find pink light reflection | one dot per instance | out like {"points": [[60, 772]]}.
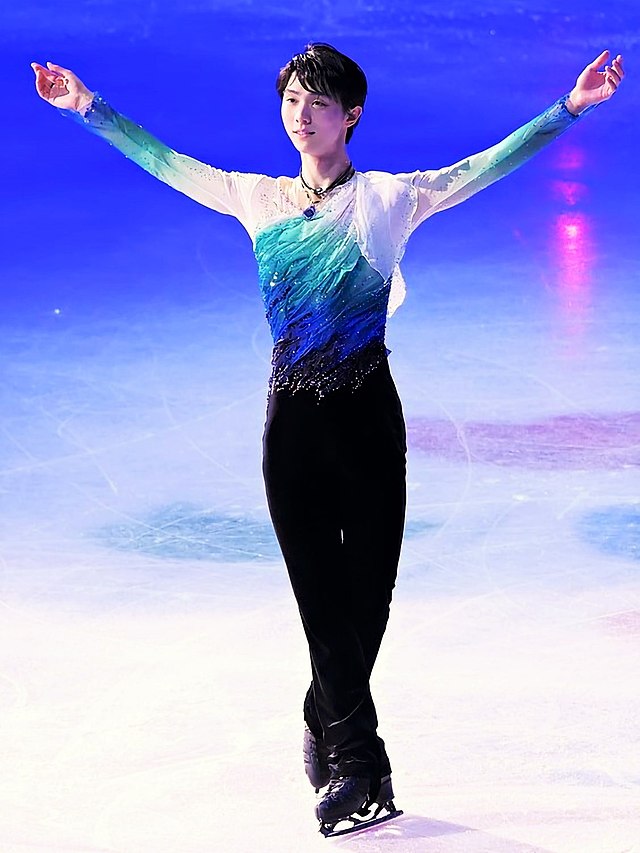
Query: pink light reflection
{"points": [[574, 253], [569, 157], [569, 192]]}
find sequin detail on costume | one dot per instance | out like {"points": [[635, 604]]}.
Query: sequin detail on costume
{"points": [[325, 305]]}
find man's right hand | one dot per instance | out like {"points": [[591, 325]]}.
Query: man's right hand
{"points": [[61, 88]]}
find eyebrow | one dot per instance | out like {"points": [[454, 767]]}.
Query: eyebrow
{"points": [[298, 92]]}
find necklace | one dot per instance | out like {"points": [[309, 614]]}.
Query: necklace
{"points": [[322, 192]]}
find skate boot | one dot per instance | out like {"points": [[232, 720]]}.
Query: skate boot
{"points": [[348, 803], [316, 760]]}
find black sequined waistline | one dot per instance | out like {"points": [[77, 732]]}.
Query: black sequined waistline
{"points": [[317, 373]]}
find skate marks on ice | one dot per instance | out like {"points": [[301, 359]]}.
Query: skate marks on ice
{"points": [[180, 531], [415, 834], [564, 442], [185, 531]]}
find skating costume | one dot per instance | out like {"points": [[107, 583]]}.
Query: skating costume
{"points": [[334, 441]]}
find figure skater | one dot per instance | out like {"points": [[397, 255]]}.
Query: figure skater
{"points": [[328, 243]]}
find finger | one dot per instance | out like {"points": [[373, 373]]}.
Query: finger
{"points": [[610, 71], [45, 79], [599, 60], [44, 84], [58, 68], [612, 80], [617, 66], [43, 73], [49, 84]]}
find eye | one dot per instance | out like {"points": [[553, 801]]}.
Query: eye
{"points": [[320, 103]]}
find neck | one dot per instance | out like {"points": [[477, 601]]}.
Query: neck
{"points": [[321, 170]]}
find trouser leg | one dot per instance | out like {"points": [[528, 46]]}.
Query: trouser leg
{"points": [[373, 499], [334, 473]]}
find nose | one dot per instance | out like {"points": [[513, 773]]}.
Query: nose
{"points": [[303, 115]]}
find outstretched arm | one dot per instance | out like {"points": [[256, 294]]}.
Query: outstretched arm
{"points": [[440, 189], [227, 192]]}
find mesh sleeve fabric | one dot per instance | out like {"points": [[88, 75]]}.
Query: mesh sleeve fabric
{"points": [[391, 206], [234, 193], [440, 189]]}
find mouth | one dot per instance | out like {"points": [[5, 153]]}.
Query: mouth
{"points": [[304, 133]]}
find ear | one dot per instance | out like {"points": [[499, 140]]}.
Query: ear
{"points": [[353, 115]]}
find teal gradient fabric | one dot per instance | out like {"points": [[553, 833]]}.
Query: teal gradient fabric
{"points": [[325, 305]]}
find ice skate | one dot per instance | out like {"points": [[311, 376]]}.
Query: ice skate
{"points": [[316, 760], [348, 807]]}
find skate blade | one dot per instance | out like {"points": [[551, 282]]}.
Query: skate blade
{"points": [[360, 824]]}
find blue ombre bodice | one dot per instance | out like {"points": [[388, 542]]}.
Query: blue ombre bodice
{"points": [[325, 305]]}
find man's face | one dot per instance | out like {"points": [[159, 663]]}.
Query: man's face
{"points": [[316, 124]]}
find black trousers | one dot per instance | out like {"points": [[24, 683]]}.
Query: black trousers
{"points": [[335, 475]]}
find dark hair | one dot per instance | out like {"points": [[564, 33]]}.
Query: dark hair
{"points": [[323, 69]]}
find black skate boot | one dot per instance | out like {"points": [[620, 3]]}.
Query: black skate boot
{"points": [[349, 800], [316, 760]]}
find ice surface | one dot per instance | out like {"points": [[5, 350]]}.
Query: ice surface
{"points": [[152, 665]]}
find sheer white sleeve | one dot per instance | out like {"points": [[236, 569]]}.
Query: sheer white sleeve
{"points": [[234, 193], [439, 189]]}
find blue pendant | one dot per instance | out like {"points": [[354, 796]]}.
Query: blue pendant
{"points": [[310, 212]]}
